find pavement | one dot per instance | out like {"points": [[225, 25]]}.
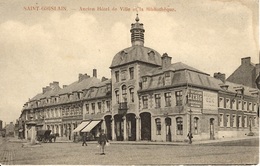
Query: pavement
{"points": [[195, 142]]}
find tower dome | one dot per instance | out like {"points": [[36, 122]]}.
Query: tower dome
{"points": [[137, 52]]}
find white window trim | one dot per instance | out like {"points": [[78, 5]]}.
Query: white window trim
{"points": [[222, 120], [221, 102]]}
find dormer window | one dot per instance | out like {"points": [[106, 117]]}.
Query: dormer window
{"points": [[167, 74], [144, 79]]}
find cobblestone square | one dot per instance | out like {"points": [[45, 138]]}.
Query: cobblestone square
{"points": [[239, 152]]}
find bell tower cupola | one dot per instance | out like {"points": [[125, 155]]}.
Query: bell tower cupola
{"points": [[137, 33]]}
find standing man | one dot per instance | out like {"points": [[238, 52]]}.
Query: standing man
{"points": [[190, 137], [84, 139], [102, 140]]}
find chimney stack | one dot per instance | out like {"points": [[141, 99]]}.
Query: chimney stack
{"points": [[95, 73], [166, 61], [220, 76], [246, 60]]}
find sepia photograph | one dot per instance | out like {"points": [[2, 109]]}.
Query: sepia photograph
{"points": [[129, 82]]}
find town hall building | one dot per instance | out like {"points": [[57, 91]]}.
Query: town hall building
{"points": [[147, 98]]}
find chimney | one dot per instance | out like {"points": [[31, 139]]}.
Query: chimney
{"points": [[54, 85], [64, 86], [104, 79], [246, 61], [166, 61], [86, 76], [80, 77], [220, 76], [95, 73], [43, 90]]}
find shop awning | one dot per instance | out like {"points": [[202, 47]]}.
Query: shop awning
{"points": [[81, 126], [90, 126]]}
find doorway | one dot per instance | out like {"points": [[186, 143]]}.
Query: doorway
{"points": [[211, 121]]}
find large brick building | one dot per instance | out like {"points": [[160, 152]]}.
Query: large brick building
{"points": [[147, 98]]}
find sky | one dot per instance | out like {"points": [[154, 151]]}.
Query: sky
{"points": [[39, 45]]}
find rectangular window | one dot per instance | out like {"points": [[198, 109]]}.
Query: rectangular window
{"points": [[228, 120], [167, 99], [245, 106], [234, 104], [108, 106], [117, 76], [239, 121], [93, 107], [145, 102], [99, 107], [221, 120], [221, 102], [234, 121], [239, 105], [178, 95], [245, 121], [157, 101], [255, 107], [179, 126], [123, 75], [87, 108], [250, 108], [131, 73], [132, 95], [228, 103], [158, 126]]}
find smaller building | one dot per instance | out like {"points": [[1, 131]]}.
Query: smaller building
{"points": [[246, 74]]}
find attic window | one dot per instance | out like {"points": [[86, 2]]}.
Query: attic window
{"points": [[151, 55], [167, 74], [144, 79]]}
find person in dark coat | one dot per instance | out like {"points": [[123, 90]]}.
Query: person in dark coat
{"points": [[190, 137], [84, 139], [102, 140]]}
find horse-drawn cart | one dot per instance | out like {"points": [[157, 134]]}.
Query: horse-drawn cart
{"points": [[45, 136]]}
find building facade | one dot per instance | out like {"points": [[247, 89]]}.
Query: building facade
{"points": [[147, 98]]}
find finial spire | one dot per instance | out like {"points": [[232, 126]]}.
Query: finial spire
{"points": [[137, 32], [137, 18]]}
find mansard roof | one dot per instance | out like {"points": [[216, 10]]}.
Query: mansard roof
{"points": [[173, 67], [136, 53]]}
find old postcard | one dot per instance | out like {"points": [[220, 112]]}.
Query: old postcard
{"points": [[129, 82]]}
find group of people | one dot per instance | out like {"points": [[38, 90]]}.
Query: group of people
{"points": [[102, 141]]}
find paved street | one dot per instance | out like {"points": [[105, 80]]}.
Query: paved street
{"points": [[236, 152]]}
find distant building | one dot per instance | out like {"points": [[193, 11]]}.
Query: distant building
{"points": [[246, 74], [10, 129]]}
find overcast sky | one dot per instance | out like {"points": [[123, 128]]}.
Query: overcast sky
{"points": [[38, 47]]}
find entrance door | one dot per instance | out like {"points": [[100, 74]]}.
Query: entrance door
{"points": [[168, 129], [145, 126], [119, 124], [211, 121]]}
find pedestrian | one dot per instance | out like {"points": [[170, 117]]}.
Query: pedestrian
{"points": [[102, 141], [190, 137], [84, 139]]}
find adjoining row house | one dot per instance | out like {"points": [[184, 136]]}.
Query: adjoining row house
{"points": [[147, 98]]}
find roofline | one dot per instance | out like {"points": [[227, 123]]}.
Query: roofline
{"points": [[178, 85], [138, 61]]}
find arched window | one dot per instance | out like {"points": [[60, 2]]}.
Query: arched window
{"points": [[131, 90], [158, 126], [179, 125], [196, 121], [124, 93], [117, 96]]}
